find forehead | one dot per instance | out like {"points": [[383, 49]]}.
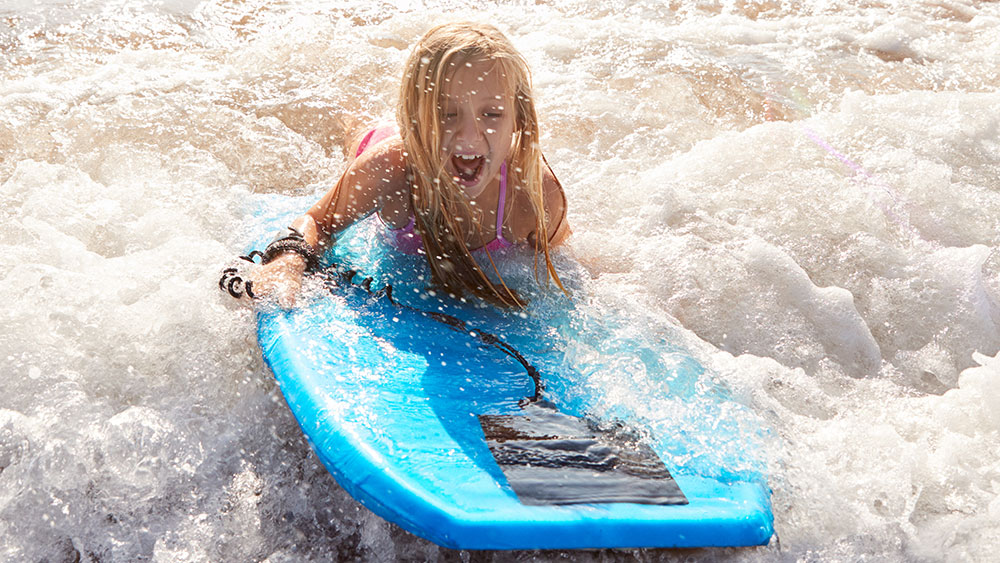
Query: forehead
{"points": [[478, 80]]}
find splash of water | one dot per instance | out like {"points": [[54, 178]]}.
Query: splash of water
{"points": [[139, 423]]}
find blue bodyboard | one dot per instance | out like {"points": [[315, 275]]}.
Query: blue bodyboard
{"points": [[390, 398]]}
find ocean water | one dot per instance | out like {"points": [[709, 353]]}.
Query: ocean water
{"points": [[805, 195]]}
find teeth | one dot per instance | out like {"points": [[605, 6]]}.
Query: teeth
{"points": [[468, 156]]}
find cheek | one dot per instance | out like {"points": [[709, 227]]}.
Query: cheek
{"points": [[502, 133], [446, 137]]}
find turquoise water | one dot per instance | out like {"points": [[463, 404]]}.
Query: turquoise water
{"points": [[802, 198]]}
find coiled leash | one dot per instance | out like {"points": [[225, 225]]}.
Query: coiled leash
{"points": [[291, 239]]}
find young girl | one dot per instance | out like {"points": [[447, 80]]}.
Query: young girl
{"points": [[459, 177]]}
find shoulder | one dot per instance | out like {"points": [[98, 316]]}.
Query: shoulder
{"points": [[553, 195], [554, 200], [553, 209], [382, 161], [382, 170]]}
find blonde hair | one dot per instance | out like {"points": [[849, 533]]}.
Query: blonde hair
{"points": [[437, 200]]}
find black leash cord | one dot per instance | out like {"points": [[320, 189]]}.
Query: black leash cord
{"points": [[336, 275], [232, 283]]}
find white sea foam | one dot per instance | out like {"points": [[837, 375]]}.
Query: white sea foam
{"points": [[803, 195]]}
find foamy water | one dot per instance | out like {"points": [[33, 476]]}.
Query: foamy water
{"points": [[807, 198]]}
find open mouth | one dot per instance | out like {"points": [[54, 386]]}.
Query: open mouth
{"points": [[467, 168]]}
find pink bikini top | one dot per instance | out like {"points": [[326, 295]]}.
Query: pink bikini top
{"points": [[407, 239]]}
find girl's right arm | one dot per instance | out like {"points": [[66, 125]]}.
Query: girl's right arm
{"points": [[375, 177]]}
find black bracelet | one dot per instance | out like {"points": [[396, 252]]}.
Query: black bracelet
{"points": [[291, 240]]}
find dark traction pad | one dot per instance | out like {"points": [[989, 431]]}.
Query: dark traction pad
{"points": [[553, 458]]}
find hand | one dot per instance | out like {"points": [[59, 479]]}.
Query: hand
{"points": [[280, 279]]}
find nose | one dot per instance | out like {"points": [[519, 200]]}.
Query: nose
{"points": [[469, 133]]}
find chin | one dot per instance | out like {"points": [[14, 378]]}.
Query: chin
{"points": [[472, 192]]}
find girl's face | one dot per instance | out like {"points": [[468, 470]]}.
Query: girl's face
{"points": [[477, 124]]}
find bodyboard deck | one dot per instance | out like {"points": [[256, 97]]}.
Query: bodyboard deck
{"points": [[403, 411], [377, 392]]}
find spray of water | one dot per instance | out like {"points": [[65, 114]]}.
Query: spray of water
{"points": [[774, 242]]}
